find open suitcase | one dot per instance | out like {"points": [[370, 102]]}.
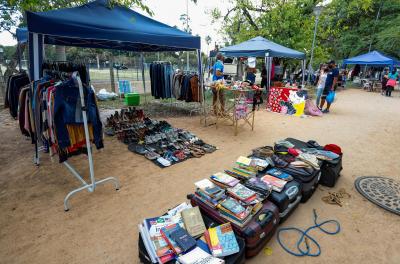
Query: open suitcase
{"points": [[330, 170], [256, 233], [238, 258], [287, 200]]}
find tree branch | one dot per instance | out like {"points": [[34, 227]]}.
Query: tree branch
{"points": [[249, 18]]}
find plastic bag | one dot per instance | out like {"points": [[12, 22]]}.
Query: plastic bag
{"points": [[330, 97]]}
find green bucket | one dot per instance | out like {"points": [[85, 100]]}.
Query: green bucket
{"points": [[132, 99]]}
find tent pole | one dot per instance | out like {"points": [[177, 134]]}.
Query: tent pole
{"points": [[201, 89], [303, 68], [143, 79], [269, 65]]}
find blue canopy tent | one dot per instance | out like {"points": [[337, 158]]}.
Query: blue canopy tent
{"points": [[22, 35], [261, 47], [372, 58], [97, 25]]}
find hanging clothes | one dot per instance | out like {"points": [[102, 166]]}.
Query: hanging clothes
{"points": [[14, 85], [50, 111], [161, 77]]}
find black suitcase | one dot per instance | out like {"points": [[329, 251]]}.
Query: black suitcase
{"points": [[287, 200], [256, 233], [330, 171], [307, 177]]}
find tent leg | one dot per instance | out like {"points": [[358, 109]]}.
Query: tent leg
{"points": [[303, 68], [143, 78]]}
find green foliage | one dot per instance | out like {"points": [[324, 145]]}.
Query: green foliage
{"points": [[12, 12], [346, 27]]}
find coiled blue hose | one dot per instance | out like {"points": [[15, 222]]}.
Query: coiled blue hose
{"points": [[304, 238]]}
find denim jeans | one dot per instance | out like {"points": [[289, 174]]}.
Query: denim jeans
{"points": [[319, 94], [68, 110]]}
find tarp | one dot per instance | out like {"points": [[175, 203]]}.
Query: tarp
{"points": [[372, 58], [22, 35], [97, 25], [261, 47]]}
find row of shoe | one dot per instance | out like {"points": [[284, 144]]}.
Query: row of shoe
{"points": [[157, 140]]}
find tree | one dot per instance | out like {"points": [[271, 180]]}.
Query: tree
{"points": [[346, 27]]}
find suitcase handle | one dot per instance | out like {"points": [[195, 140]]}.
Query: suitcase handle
{"points": [[292, 191], [265, 218]]}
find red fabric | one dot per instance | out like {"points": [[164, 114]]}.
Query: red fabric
{"points": [[276, 95], [333, 148], [293, 151]]}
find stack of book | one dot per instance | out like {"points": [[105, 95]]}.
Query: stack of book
{"points": [[172, 234], [224, 180], [222, 241], [258, 185], [242, 193], [277, 184], [241, 173], [209, 193], [233, 211]]}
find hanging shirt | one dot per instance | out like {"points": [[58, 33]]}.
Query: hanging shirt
{"points": [[218, 66]]}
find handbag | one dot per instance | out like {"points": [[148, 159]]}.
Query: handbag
{"points": [[330, 97]]}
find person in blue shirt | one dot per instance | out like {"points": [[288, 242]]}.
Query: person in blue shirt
{"points": [[330, 85], [218, 74]]}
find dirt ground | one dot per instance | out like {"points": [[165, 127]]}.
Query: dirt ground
{"points": [[102, 227]]}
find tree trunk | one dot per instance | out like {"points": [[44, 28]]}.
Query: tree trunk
{"points": [[98, 61], [112, 79], [60, 53]]}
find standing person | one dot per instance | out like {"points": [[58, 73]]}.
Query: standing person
{"points": [[384, 80], [321, 84], [391, 83], [330, 85], [218, 74]]}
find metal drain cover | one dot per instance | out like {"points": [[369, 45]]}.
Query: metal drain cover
{"points": [[384, 192]]}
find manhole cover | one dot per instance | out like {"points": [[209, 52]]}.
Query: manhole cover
{"points": [[384, 192]]}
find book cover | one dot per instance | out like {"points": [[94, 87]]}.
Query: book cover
{"points": [[259, 185], [154, 226], [233, 206], [243, 161], [277, 184], [202, 243], [193, 221], [223, 241], [245, 172], [199, 256], [166, 234], [225, 179], [242, 192], [278, 174], [182, 238]]}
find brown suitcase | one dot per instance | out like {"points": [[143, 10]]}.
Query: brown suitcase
{"points": [[256, 233]]}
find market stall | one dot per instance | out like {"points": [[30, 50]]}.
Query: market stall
{"points": [[98, 24], [261, 47], [373, 58]]}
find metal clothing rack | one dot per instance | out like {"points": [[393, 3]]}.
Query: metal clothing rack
{"points": [[91, 186]]}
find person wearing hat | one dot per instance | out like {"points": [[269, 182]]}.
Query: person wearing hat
{"points": [[218, 74], [251, 70], [330, 85]]}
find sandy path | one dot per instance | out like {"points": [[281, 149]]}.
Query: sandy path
{"points": [[102, 227]]}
